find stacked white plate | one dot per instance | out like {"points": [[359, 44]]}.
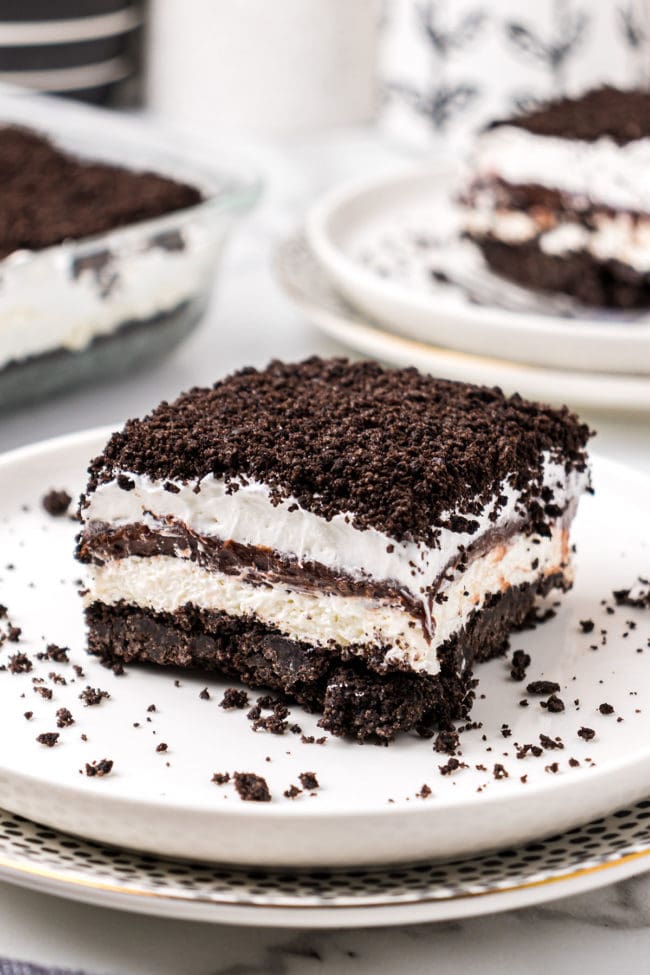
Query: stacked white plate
{"points": [[382, 267]]}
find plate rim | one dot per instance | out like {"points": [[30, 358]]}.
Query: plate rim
{"points": [[342, 267], [626, 393], [557, 788]]}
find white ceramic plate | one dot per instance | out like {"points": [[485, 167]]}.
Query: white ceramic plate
{"points": [[380, 240], [602, 852], [174, 809], [306, 284]]}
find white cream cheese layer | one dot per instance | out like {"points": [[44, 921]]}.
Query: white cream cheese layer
{"points": [[617, 237], [600, 172], [249, 517], [45, 305], [164, 584]]}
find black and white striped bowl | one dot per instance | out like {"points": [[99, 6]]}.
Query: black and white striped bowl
{"points": [[57, 46]]}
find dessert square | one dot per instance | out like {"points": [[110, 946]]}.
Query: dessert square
{"points": [[353, 537], [559, 198]]}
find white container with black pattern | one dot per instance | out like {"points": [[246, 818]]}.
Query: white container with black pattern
{"points": [[450, 66]]}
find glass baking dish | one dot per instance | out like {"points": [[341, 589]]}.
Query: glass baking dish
{"points": [[89, 309]]}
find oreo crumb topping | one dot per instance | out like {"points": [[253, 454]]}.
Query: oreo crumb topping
{"points": [[446, 742], [605, 708], [221, 778], [448, 446], [309, 781], [520, 664], [48, 738], [252, 787], [587, 734], [292, 792], [56, 654], [623, 116], [550, 743], [554, 704], [56, 503], [234, 698], [99, 769]]}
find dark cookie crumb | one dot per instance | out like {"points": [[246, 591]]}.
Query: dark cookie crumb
{"points": [[425, 791], [45, 692], [56, 654], [64, 718], [309, 781], [446, 742], [638, 596], [554, 704], [252, 787], [56, 503], [48, 738], [499, 771], [520, 664], [93, 695], [292, 792], [99, 769], [587, 626], [553, 767], [162, 747], [574, 763], [28, 715], [541, 688], [234, 698], [587, 734], [550, 743], [220, 778], [605, 708], [20, 663], [205, 694]]}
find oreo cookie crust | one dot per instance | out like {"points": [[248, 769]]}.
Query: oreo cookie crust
{"points": [[333, 530]]}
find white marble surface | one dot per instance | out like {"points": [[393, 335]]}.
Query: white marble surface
{"points": [[250, 322]]}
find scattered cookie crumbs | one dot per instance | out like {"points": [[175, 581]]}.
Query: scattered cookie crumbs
{"points": [[446, 742], [605, 708], [234, 698], [151, 709], [45, 692], [309, 781], [64, 718], [252, 787], [540, 688], [529, 749], [92, 696], [292, 792], [523, 779], [13, 634], [84, 737], [550, 743], [28, 715], [506, 731], [520, 663], [452, 766], [162, 747], [220, 778], [587, 626], [57, 654], [587, 734], [574, 763], [57, 678], [271, 723], [554, 704], [205, 694], [78, 670], [425, 791], [553, 767], [56, 503], [99, 769], [48, 738], [20, 663], [499, 771]]}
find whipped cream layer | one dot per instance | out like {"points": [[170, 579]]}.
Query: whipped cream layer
{"points": [[618, 237], [248, 516], [164, 584], [49, 301], [599, 172]]}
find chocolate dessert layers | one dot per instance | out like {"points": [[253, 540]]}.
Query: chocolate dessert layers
{"points": [[48, 196], [559, 199], [354, 537]]}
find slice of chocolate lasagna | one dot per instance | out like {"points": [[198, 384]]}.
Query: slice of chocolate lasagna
{"points": [[354, 537], [559, 198]]}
